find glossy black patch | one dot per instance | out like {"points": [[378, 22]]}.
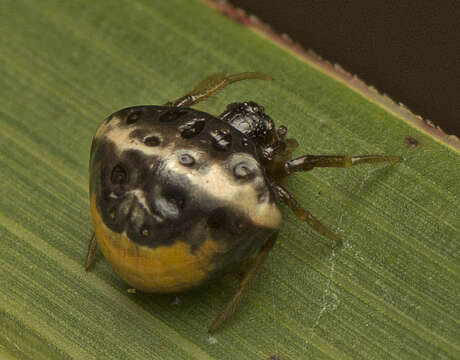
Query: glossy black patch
{"points": [[175, 193], [191, 127], [145, 135], [222, 139], [138, 134], [172, 114], [133, 117], [151, 140], [119, 175]]}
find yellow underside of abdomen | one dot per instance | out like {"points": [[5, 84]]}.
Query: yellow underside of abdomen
{"points": [[162, 269]]}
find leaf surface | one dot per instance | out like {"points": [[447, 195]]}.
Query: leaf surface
{"points": [[392, 290]]}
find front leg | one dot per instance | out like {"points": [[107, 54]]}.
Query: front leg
{"points": [[211, 85], [308, 162]]}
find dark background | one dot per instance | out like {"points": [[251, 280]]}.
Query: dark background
{"points": [[409, 50]]}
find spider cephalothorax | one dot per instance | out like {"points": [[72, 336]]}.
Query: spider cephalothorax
{"points": [[251, 120]]}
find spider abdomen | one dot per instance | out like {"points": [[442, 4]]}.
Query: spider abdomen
{"points": [[177, 196]]}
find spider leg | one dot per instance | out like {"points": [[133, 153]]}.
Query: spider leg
{"points": [[90, 255], [308, 162], [245, 284], [305, 215], [211, 85]]}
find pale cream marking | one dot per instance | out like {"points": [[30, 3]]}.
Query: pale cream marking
{"points": [[103, 128], [140, 196], [218, 182], [120, 137]]}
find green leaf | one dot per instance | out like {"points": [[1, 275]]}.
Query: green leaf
{"points": [[392, 290]]}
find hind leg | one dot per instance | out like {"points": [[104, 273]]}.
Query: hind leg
{"points": [[245, 284], [91, 254]]}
